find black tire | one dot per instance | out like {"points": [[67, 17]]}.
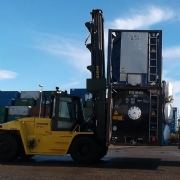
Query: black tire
{"points": [[8, 147], [102, 153], [84, 150], [23, 156]]}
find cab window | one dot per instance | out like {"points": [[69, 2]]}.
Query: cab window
{"points": [[65, 108]]}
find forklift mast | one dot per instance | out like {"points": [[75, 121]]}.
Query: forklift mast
{"points": [[96, 85]]}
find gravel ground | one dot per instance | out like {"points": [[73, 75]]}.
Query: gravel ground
{"points": [[121, 162]]}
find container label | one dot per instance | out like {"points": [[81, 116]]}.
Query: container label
{"points": [[153, 113], [117, 118], [136, 92]]}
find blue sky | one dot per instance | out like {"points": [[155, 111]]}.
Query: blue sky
{"points": [[42, 41]]}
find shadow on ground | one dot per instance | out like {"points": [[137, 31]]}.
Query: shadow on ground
{"points": [[107, 162]]}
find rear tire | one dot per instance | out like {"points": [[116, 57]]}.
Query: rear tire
{"points": [[23, 156], [84, 150], [8, 147]]}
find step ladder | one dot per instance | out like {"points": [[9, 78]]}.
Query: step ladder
{"points": [[153, 115], [152, 70]]}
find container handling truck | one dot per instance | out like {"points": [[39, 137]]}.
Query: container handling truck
{"points": [[136, 108], [66, 131]]}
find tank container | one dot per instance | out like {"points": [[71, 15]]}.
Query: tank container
{"points": [[134, 58], [130, 115]]}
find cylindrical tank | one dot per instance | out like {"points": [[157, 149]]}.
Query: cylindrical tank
{"points": [[168, 113], [166, 134], [168, 91]]}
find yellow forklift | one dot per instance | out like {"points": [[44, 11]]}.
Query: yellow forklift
{"points": [[66, 131]]}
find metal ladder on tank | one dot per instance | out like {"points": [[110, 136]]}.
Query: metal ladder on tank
{"points": [[152, 71], [153, 115]]}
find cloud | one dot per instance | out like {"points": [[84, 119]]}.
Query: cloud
{"points": [[171, 53], [144, 18], [4, 74], [171, 62], [75, 53], [170, 71]]}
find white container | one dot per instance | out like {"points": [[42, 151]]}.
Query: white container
{"points": [[19, 110], [30, 94], [168, 113], [168, 90]]}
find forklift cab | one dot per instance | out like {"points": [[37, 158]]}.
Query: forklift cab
{"points": [[67, 112]]}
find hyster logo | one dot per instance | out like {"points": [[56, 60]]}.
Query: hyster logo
{"points": [[41, 124]]}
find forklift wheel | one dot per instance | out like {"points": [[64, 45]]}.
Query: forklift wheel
{"points": [[84, 150], [8, 147], [23, 156], [101, 153]]}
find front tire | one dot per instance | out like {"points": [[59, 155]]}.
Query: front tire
{"points": [[102, 152], [84, 150], [8, 147]]}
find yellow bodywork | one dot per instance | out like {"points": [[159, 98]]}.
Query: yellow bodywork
{"points": [[47, 142]]}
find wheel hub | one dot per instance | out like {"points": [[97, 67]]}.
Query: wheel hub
{"points": [[4, 147], [85, 150]]}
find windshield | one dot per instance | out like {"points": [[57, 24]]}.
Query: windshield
{"points": [[65, 108]]}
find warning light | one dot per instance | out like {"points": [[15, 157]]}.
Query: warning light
{"points": [[115, 113]]}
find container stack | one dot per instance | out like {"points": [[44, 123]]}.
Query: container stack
{"points": [[134, 78], [88, 109], [7, 97], [15, 105], [82, 93], [3, 114], [86, 99], [174, 124], [22, 105], [45, 104], [18, 112]]}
